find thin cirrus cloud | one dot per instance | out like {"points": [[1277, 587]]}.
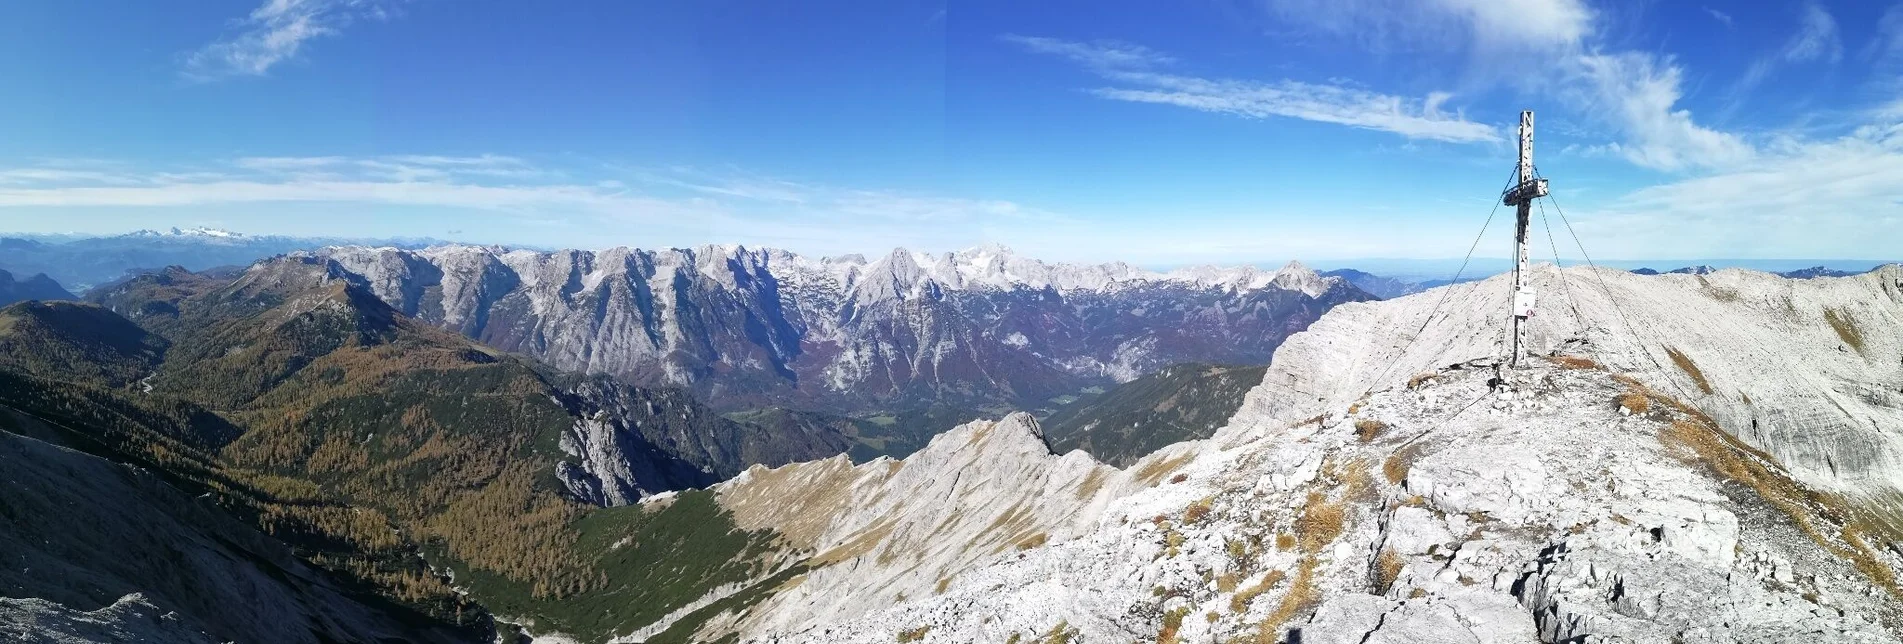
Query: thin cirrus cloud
{"points": [[1633, 96], [1833, 198], [1816, 40], [1133, 67], [1481, 26], [275, 32], [677, 204]]}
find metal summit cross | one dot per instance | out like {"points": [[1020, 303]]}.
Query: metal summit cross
{"points": [[1522, 195]]}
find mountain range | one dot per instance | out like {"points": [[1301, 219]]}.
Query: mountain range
{"points": [[83, 262], [983, 328]]}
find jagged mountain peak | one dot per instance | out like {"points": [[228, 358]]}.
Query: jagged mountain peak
{"points": [[1296, 276]]}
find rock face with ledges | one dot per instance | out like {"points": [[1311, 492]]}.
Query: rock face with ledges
{"points": [[745, 327]]}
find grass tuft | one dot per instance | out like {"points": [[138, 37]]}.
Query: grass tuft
{"points": [[1387, 569], [1302, 596], [1320, 523], [1368, 429], [1239, 602], [1574, 362], [1635, 402], [1396, 467], [1172, 623], [1197, 511]]}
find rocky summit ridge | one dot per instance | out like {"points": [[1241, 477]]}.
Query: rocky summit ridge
{"points": [[1383, 485]]}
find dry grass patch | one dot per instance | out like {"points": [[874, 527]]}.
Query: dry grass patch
{"points": [[1092, 483], [1302, 596], [1034, 541], [1239, 602], [1846, 328], [1284, 541], [1197, 511], [1320, 523], [1368, 429], [1397, 465], [1573, 362], [1172, 624], [1685, 364], [1635, 402], [1387, 569], [914, 634], [1062, 633], [1153, 472], [1420, 379]]}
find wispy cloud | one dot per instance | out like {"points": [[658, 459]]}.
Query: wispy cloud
{"points": [[1720, 16], [674, 205], [1556, 49], [1638, 94], [1816, 40], [1132, 68], [1481, 26], [275, 32], [1101, 54], [1834, 198]]}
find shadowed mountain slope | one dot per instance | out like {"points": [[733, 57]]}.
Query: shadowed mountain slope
{"points": [[1179, 403]]}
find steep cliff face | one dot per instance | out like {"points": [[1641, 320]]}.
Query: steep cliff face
{"points": [[1378, 487], [630, 442], [749, 327]]}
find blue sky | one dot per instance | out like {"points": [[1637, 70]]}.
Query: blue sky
{"points": [[1158, 133]]}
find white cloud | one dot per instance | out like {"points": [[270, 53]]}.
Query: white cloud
{"points": [[1816, 40], [1103, 54], [1638, 94], [275, 32], [1412, 118], [728, 207], [1482, 26], [395, 167], [1720, 16], [1335, 103], [1838, 198]]}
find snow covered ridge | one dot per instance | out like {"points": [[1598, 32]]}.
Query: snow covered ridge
{"points": [[1376, 488]]}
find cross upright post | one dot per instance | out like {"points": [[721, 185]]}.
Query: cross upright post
{"points": [[1521, 196]]}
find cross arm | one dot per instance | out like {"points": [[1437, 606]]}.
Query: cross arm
{"points": [[1525, 192]]}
